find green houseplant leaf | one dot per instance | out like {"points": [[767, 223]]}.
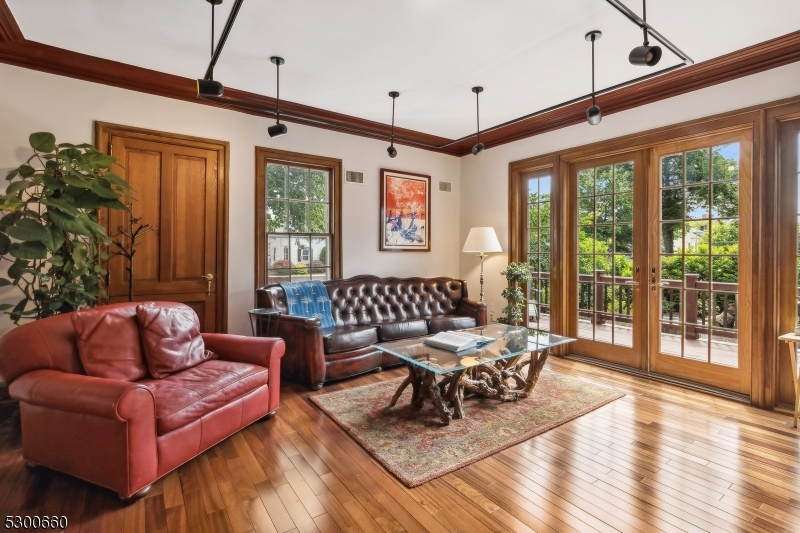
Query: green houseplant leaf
{"points": [[43, 142], [49, 227]]}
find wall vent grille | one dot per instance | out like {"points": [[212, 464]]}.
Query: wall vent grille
{"points": [[354, 176], [445, 186]]}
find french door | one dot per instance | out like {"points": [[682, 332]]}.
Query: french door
{"points": [[699, 278], [660, 259], [608, 259]]}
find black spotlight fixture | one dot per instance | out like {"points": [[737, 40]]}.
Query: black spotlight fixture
{"points": [[645, 55], [277, 129], [207, 86], [593, 114], [392, 151], [478, 148]]}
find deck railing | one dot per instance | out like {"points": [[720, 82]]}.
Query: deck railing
{"points": [[602, 296]]}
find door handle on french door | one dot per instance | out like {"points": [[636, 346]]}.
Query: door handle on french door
{"points": [[653, 282], [635, 281]]}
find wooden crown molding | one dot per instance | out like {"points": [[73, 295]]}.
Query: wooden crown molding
{"points": [[9, 30], [751, 60], [16, 50]]}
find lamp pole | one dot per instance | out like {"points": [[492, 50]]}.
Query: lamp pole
{"points": [[481, 255]]}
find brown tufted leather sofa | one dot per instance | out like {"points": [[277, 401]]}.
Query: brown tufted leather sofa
{"points": [[367, 310]]}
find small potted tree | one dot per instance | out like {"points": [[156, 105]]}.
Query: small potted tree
{"points": [[515, 273]]}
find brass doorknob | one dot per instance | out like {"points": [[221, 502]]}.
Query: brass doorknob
{"points": [[209, 278]]}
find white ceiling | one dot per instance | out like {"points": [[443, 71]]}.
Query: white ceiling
{"points": [[346, 55]]}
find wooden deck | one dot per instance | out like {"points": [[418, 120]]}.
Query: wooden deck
{"points": [[660, 459]]}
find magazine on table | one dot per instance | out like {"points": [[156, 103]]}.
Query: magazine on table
{"points": [[457, 341]]}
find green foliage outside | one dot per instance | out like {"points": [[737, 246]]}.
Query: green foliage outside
{"points": [[297, 200], [49, 230], [697, 186]]}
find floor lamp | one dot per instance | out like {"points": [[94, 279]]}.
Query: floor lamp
{"points": [[482, 240]]}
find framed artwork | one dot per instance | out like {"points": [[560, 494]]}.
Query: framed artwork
{"points": [[405, 212]]}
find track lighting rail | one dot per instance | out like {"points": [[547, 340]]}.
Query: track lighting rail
{"points": [[232, 104], [223, 37], [633, 17]]}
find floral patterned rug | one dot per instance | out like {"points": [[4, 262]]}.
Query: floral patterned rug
{"points": [[415, 447]]}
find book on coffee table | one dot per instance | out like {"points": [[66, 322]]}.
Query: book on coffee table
{"points": [[457, 341]]}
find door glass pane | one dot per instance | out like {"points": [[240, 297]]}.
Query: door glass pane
{"points": [[605, 248], [700, 268], [538, 290]]}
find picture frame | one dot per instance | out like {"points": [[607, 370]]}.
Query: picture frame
{"points": [[405, 212]]}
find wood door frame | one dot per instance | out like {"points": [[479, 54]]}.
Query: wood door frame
{"points": [[336, 203], [680, 366], [104, 131], [786, 239], [517, 237]]}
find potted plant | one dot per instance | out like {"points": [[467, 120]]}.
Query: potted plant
{"points": [[49, 230], [515, 273]]}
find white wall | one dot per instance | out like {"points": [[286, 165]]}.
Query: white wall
{"points": [[33, 101], [484, 178]]}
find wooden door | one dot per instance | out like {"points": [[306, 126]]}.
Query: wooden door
{"points": [[607, 305], [177, 188], [699, 276]]}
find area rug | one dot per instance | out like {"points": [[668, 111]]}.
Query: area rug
{"points": [[416, 447]]}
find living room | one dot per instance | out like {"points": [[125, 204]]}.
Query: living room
{"points": [[619, 229]]}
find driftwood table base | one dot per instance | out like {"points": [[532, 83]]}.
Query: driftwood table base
{"points": [[503, 380]]}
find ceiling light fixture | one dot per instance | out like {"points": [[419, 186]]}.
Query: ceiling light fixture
{"points": [[645, 55], [277, 129], [478, 148], [392, 151], [593, 114], [207, 86]]}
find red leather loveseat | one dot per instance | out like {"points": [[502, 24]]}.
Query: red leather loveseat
{"points": [[124, 435], [367, 310]]}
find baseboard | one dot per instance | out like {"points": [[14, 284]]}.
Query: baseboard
{"points": [[735, 396]]}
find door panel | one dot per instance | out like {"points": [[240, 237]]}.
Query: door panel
{"points": [[699, 276], [176, 191], [609, 253]]}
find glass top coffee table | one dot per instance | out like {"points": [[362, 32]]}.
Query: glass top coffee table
{"points": [[496, 370]]}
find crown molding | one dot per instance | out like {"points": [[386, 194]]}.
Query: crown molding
{"points": [[16, 50], [751, 60], [9, 30]]}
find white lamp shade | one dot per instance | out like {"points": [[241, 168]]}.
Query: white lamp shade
{"points": [[482, 240]]}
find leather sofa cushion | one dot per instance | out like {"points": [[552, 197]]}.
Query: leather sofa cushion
{"points": [[449, 322], [390, 331], [171, 339], [346, 338], [109, 343], [186, 396]]}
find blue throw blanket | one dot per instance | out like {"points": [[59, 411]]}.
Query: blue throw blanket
{"points": [[309, 299]]}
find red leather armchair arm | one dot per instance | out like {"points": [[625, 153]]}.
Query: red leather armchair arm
{"points": [[262, 351], [101, 430], [76, 393], [477, 310]]}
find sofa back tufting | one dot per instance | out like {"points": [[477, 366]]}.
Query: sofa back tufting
{"points": [[364, 300]]}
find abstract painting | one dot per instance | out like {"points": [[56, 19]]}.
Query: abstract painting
{"points": [[405, 211]]}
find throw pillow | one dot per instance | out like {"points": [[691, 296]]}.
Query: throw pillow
{"points": [[109, 343], [171, 339]]}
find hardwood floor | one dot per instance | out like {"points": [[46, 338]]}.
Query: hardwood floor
{"points": [[661, 459]]}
